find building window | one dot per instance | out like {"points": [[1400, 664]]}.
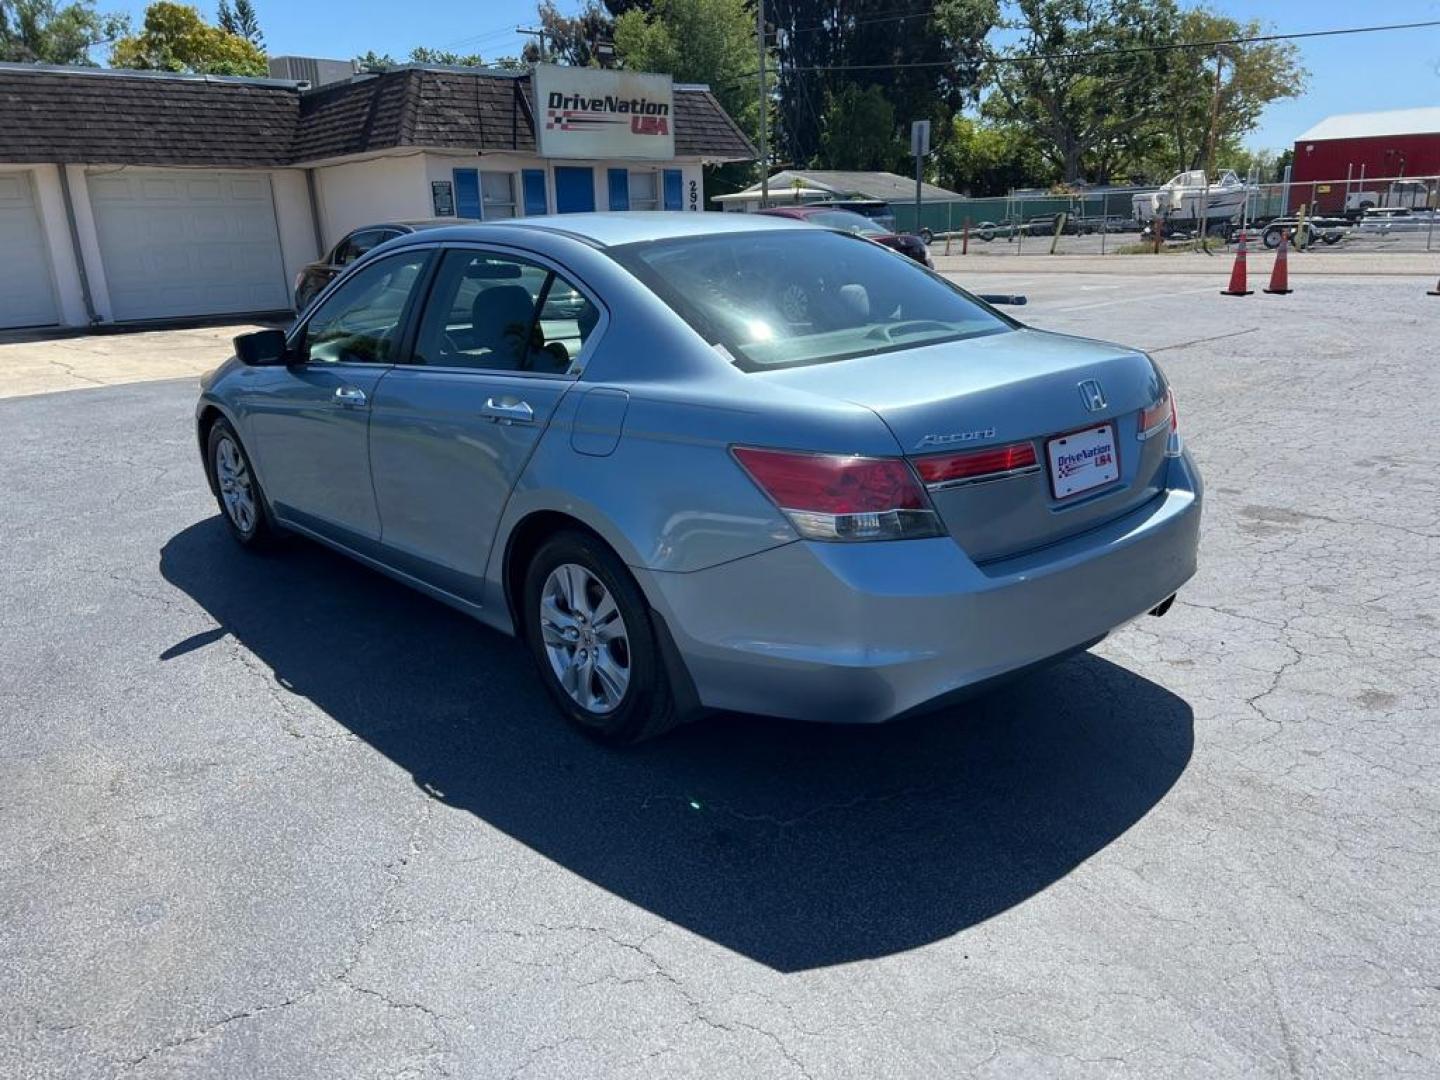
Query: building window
{"points": [[643, 193], [498, 192]]}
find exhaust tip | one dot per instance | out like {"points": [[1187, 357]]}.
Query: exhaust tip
{"points": [[1162, 607]]}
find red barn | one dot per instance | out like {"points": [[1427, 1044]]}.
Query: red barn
{"points": [[1380, 146]]}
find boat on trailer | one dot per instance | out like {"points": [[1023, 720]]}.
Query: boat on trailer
{"points": [[1186, 196]]}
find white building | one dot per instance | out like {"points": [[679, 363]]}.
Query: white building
{"points": [[134, 196]]}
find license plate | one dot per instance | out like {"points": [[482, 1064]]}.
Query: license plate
{"points": [[1082, 460]]}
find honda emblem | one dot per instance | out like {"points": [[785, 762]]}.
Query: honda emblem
{"points": [[1092, 395]]}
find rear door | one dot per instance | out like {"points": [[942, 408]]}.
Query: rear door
{"points": [[502, 339], [308, 424]]}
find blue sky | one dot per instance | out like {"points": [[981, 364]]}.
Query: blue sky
{"points": [[1347, 74]]}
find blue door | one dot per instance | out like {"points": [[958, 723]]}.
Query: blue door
{"points": [[534, 180], [467, 193], [619, 189], [574, 189], [674, 196]]}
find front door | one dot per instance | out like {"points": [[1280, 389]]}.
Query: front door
{"points": [[574, 189], [499, 345], [310, 422]]}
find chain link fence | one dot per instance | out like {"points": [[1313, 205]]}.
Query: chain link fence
{"points": [[1386, 214]]}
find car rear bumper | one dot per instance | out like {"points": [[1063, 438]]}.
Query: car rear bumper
{"points": [[861, 633]]}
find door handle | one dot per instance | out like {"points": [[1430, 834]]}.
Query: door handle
{"points": [[508, 410], [352, 397]]}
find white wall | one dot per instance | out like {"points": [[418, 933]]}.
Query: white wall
{"points": [[366, 192], [61, 266], [293, 217]]}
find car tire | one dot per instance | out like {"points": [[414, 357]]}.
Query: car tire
{"points": [[1271, 238], [237, 489], [589, 630]]}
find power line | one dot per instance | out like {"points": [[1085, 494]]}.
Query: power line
{"points": [[1101, 53]]}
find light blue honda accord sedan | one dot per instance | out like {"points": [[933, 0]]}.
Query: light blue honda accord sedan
{"points": [[712, 462]]}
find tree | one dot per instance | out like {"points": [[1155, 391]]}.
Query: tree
{"points": [[1205, 114], [570, 39], [925, 60], [43, 32], [858, 131], [1083, 76], [373, 61], [176, 38], [241, 21], [989, 159], [703, 41]]}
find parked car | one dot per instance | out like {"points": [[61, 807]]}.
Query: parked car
{"points": [[877, 210], [316, 275], [846, 221], [762, 467]]}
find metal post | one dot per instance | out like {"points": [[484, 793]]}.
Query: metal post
{"points": [[764, 150], [1434, 211], [1285, 188]]}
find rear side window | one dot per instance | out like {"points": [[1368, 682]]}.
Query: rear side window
{"points": [[804, 296], [497, 312], [357, 244]]}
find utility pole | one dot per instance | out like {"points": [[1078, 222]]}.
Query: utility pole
{"points": [[538, 33], [764, 152], [1209, 152]]}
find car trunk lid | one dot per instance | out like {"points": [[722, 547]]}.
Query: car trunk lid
{"points": [[1009, 390]]}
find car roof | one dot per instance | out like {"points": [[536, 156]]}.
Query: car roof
{"points": [[627, 227]]}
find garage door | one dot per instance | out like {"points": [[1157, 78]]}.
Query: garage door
{"points": [[188, 243], [27, 296]]}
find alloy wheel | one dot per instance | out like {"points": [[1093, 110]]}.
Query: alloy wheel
{"points": [[585, 638], [237, 493]]}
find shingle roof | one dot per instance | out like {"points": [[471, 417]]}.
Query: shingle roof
{"points": [[75, 117], [885, 186], [1371, 125]]}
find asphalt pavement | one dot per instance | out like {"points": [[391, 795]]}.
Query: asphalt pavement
{"points": [[280, 817]]}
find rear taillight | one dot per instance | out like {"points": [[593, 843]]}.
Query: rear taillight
{"points": [[1158, 414], [975, 464], [842, 496]]}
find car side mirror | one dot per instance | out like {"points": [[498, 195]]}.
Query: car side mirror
{"points": [[1003, 299], [261, 348]]}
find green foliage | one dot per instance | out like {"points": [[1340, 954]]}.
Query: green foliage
{"points": [[859, 131], [1251, 76], [241, 21], [1102, 103], [702, 41], [1089, 113], [373, 61], [989, 159], [45, 32], [176, 38], [570, 39], [925, 59]]}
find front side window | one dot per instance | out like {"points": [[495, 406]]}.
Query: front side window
{"points": [[497, 312], [803, 296], [498, 192], [360, 321], [644, 194]]}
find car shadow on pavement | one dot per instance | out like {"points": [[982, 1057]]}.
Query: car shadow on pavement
{"points": [[798, 846]]}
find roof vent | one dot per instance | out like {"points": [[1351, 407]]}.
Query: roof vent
{"points": [[311, 69]]}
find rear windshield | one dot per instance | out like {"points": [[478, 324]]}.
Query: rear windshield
{"points": [[803, 296]]}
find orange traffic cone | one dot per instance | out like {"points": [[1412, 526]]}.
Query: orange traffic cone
{"points": [[1237, 273], [1280, 276]]}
